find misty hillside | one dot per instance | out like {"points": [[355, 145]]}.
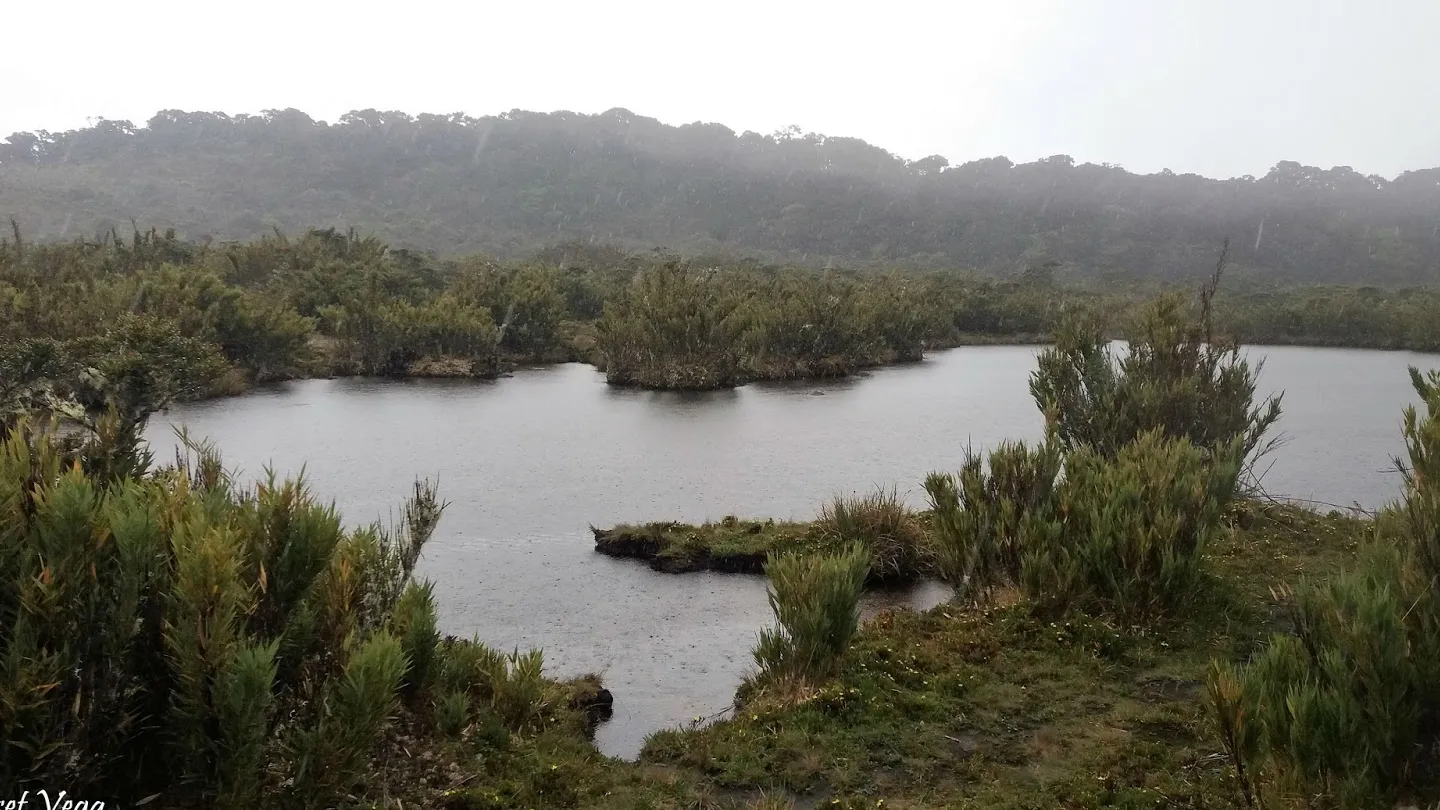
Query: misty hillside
{"points": [[510, 184]]}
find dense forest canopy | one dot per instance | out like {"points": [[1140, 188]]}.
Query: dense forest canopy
{"points": [[509, 184]]}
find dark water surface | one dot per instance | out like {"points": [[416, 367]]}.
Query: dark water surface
{"points": [[529, 462]]}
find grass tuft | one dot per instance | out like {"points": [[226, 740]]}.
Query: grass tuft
{"points": [[881, 523]]}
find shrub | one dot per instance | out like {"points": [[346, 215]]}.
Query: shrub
{"points": [[1342, 708], [518, 688], [673, 328], [1129, 533], [1123, 534], [980, 520], [884, 526], [452, 713], [384, 336], [1175, 376], [171, 631], [816, 600], [330, 757], [414, 623], [470, 667]]}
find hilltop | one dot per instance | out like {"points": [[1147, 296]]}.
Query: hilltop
{"points": [[511, 184]]}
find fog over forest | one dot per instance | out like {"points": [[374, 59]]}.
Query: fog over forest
{"points": [[511, 184]]}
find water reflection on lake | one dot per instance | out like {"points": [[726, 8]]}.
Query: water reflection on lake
{"points": [[529, 462]]}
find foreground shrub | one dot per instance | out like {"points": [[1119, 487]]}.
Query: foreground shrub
{"points": [[172, 632], [816, 600], [884, 526], [1123, 534], [981, 519], [1128, 534], [518, 688], [1344, 710]]}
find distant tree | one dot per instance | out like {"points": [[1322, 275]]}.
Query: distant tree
{"points": [[509, 185]]}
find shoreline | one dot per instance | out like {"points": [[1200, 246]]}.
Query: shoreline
{"points": [[444, 369]]}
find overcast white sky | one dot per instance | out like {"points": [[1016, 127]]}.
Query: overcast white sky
{"points": [[1219, 87]]}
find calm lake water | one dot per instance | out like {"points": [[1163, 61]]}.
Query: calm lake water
{"points": [[529, 462]]}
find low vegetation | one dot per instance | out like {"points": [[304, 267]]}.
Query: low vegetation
{"points": [[994, 705], [332, 303], [1134, 629], [896, 539], [171, 633], [1342, 710], [732, 545], [816, 600]]}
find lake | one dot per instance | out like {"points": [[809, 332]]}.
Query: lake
{"points": [[529, 462]]}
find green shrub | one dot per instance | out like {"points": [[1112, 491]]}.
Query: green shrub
{"points": [[470, 667], [1128, 533], [1420, 510], [810, 328], [452, 713], [518, 688], [1345, 709], [672, 328], [981, 520], [884, 526], [243, 699], [173, 632], [384, 336], [414, 623], [330, 757], [1175, 376], [816, 600], [1123, 534]]}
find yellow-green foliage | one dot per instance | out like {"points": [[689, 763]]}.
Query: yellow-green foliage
{"points": [[981, 519], [816, 600], [1128, 534], [174, 631], [1344, 710], [884, 526], [1123, 534]]}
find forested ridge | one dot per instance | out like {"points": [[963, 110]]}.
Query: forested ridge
{"points": [[511, 184]]}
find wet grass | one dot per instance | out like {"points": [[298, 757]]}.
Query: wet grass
{"points": [[898, 539], [731, 545], [956, 707], [993, 708]]}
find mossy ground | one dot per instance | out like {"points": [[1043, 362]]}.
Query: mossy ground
{"points": [[966, 707], [738, 546], [731, 545]]}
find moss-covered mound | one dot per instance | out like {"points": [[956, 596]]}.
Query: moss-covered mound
{"points": [[731, 545]]}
